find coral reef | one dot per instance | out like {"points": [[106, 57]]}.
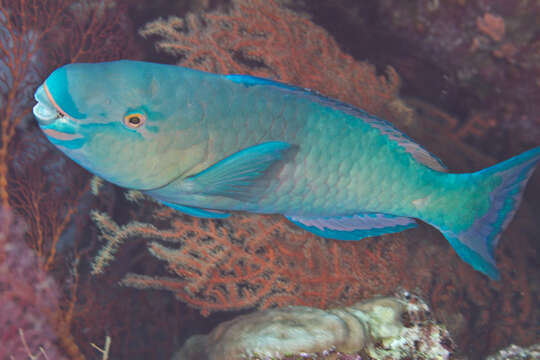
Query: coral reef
{"points": [[490, 50], [262, 38], [259, 261], [379, 328], [486, 53], [477, 59], [36, 183], [514, 352], [252, 261]]}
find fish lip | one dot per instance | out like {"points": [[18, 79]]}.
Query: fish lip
{"points": [[44, 111], [54, 103], [48, 114], [60, 135], [46, 105]]}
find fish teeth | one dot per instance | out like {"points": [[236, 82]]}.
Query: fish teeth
{"points": [[40, 95], [44, 111]]}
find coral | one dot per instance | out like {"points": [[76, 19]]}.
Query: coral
{"points": [[501, 312], [252, 261], [37, 36], [487, 50], [419, 259], [379, 328], [142, 325], [45, 196], [514, 352], [491, 25], [36, 183], [29, 298], [19, 64], [419, 336], [264, 39]]}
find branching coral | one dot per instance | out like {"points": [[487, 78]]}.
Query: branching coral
{"points": [[264, 39], [37, 36], [252, 261]]}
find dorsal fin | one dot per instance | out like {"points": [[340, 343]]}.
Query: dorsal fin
{"points": [[415, 150]]}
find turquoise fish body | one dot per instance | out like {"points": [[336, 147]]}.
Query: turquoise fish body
{"points": [[207, 144]]}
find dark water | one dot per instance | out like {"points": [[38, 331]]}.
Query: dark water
{"points": [[469, 92]]}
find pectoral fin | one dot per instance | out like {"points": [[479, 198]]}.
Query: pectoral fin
{"points": [[240, 176], [201, 213], [354, 227]]}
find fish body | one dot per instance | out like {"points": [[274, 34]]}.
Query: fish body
{"points": [[207, 144]]}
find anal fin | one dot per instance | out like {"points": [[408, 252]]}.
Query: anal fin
{"points": [[354, 227]]}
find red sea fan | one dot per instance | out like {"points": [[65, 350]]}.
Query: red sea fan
{"points": [[263, 38], [37, 36]]}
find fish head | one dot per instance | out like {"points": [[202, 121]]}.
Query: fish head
{"points": [[115, 120]]}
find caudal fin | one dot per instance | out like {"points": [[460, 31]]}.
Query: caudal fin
{"points": [[497, 194]]}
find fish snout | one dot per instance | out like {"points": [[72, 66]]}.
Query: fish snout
{"points": [[58, 127], [44, 111]]}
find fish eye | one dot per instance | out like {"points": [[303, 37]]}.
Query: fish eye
{"points": [[134, 120]]}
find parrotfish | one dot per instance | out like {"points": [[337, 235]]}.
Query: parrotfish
{"points": [[209, 144]]}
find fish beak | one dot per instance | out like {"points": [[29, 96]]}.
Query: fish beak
{"points": [[44, 111], [59, 128]]}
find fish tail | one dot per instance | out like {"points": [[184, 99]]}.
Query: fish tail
{"points": [[486, 203]]}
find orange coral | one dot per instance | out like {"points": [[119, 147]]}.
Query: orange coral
{"points": [[20, 35], [37, 36], [255, 261], [491, 25], [263, 39]]}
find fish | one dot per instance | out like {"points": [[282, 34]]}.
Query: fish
{"points": [[208, 145]]}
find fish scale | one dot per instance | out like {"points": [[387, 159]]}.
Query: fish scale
{"points": [[208, 144]]}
